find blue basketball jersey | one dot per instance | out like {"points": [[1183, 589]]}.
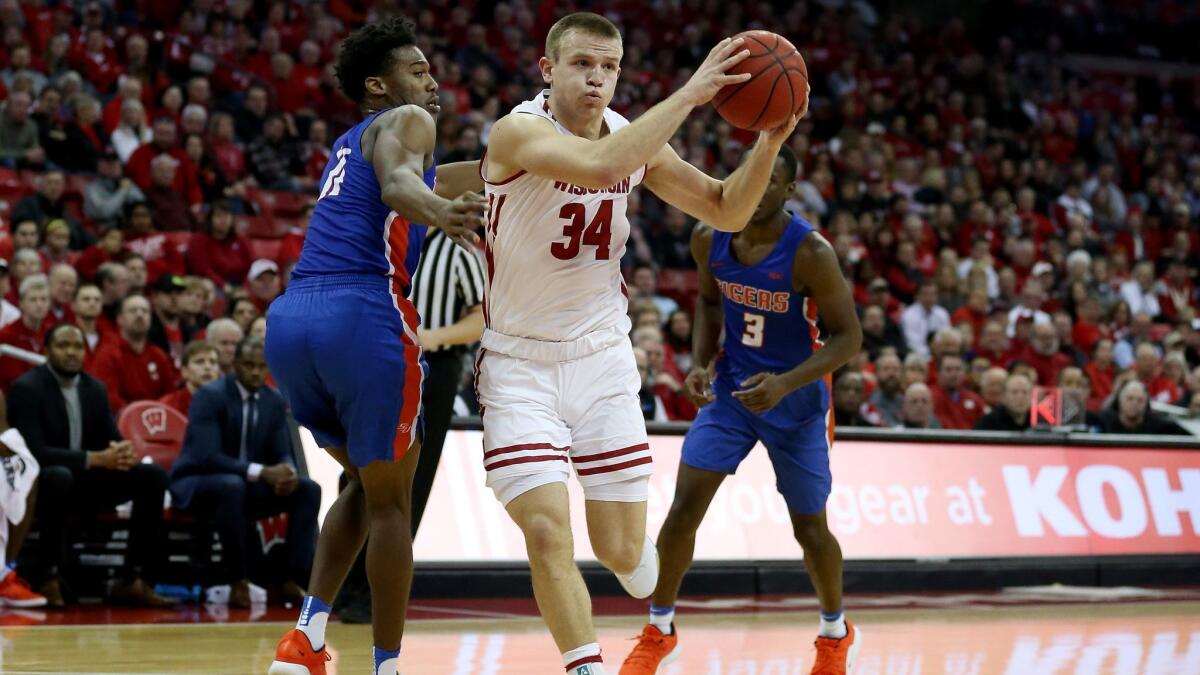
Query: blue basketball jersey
{"points": [[769, 327], [351, 230]]}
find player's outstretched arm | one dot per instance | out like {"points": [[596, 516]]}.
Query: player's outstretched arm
{"points": [[404, 139], [531, 143], [455, 178], [706, 330], [818, 275], [726, 205]]}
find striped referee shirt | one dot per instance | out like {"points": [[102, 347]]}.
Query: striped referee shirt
{"points": [[449, 281]]}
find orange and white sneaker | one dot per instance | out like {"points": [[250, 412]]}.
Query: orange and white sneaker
{"points": [[295, 656], [837, 657], [653, 651], [15, 592]]}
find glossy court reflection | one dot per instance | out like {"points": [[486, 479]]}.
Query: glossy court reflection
{"points": [[1110, 639]]}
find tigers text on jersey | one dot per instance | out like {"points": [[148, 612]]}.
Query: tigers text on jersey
{"points": [[357, 233], [769, 326], [553, 253]]}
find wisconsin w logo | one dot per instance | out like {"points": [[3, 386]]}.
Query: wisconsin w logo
{"points": [[272, 530], [155, 420]]}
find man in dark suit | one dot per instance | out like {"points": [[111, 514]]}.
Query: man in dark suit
{"points": [[87, 468], [236, 467]]}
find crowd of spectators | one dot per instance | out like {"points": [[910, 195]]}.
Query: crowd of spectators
{"points": [[1008, 216]]}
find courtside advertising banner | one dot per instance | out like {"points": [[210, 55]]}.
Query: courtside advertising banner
{"points": [[890, 500]]}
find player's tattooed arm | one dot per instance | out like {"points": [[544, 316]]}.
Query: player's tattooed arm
{"points": [[706, 332], [398, 150]]}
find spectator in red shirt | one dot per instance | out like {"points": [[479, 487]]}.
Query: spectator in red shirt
{"points": [[223, 146], [199, 368], [63, 280], [165, 143], [666, 380], [1147, 369], [155, 248], [55, 248], [219, 252], [129, 89], [956, 406], [991, 386], [25, 234], [849, 401], [29, 331], [1101, 371], [26, 263], [264, 283], [224, 334], [107, 249], [974, 312], [170, 210], [243, 311], [167, 330], [113, 280], [292, 94], [1088, 328], [139, 275], [1176, 292], [86, 310], [1043, 355], [293, 241], [130, 367]]}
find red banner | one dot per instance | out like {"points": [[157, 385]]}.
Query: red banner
{"points": [[890, 500]]}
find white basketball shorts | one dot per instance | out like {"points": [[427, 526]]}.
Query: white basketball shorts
{"points": [[539, 416]]}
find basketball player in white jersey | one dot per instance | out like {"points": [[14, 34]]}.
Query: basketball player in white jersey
{"points": [[557, 381]]}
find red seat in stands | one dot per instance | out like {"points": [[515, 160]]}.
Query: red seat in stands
{"points": [[265, 248], [155, 430], [260, 227], [290, 204]]}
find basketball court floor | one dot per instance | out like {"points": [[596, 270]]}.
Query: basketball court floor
{"points": [[1018, 632]]}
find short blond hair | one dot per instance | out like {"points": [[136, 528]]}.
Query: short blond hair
{"points": [[584, 22]]}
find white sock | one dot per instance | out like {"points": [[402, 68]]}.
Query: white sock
{"points": [[314, 614], [641, 582], [833, 626], [662, 618], [388, 667], [584, 660]]}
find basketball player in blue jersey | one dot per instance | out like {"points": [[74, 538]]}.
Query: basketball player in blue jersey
{"points": [[769, 384], [342, 342]]}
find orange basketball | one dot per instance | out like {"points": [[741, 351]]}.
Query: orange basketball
{"points": [[777, 88]]}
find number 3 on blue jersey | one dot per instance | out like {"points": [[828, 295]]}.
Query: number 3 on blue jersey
{"points": [[753, 336]]}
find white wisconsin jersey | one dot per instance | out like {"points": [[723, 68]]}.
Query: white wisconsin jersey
{"points": [[554, 253]]}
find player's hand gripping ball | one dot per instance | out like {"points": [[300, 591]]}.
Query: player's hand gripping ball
{"points": [[776, 90]]}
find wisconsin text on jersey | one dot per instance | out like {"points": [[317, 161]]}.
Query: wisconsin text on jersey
{"points": [[756, 298], [571, 188]]}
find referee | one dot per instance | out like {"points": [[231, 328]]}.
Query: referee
{"points": [[448, 293]]}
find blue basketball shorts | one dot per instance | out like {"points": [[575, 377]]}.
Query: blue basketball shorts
{"points": [[798, 445], [343, 350]]}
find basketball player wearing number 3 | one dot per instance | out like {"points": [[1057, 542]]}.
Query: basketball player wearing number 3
{"points": [[557, 382], [768, 384]]}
